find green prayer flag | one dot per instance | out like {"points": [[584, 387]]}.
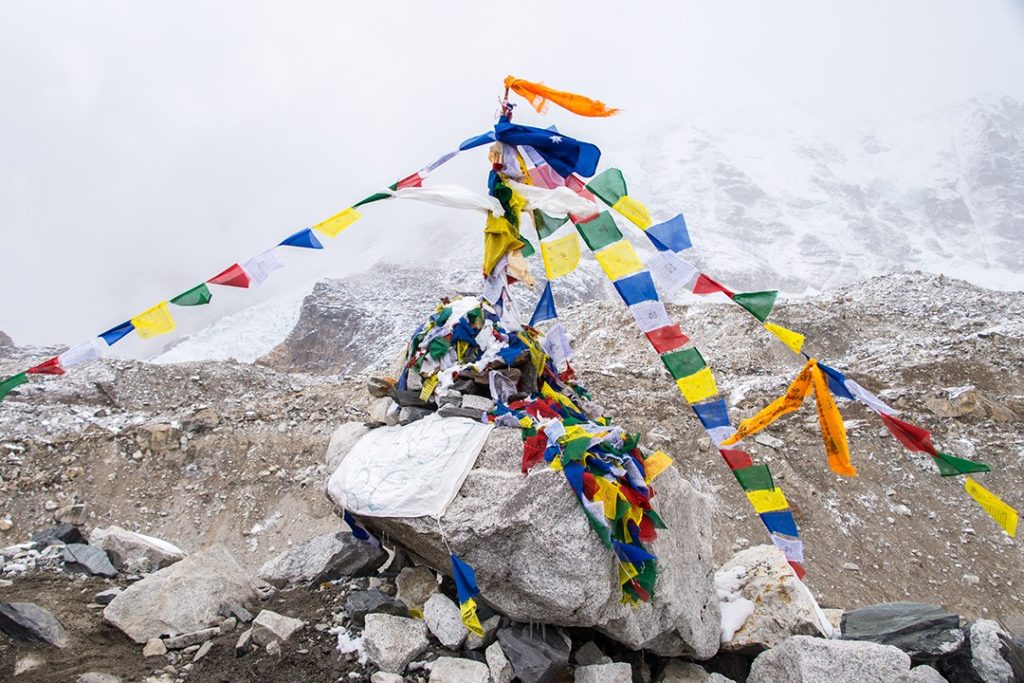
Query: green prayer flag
{"points": [[621, 508], [546, 225], [574, 450], [755, 478], [609, 186], [528, 249], [600, 232], [656, 519], [438, 347], [376, 196], [950, 465], [759, 304], [684, 362], [11, 382], [647, 576], [197, 296]]}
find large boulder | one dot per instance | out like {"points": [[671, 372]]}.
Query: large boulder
{"points": [[989, 655], [29, 622], [133, 552], [921, 630], [537, 559], [324, 558], [783, 605], [805, 659], [184, 597]]}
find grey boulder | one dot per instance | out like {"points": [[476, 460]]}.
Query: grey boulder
{"points": [[444, 620], [455, 670], [604, 673], [921, 630], [26, 621], [392, 642], [182, 598], [88, 559], [359, 603], [805, 659], [537, 559], [537, 653], [323, 558], [989, 655], [270, 626], [133, 552], [57, 535]]}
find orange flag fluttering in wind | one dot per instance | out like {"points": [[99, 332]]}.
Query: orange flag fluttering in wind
{"points": [[538, 96]]}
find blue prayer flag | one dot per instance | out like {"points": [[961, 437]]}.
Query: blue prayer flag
{"points": [[304, 239], [477, 141], [636, 288], [357, 531], [632, 553], [465, 580], [114, 334], [574, 475], [836, 382], [712, 414], [545, 309], [671, 235], [564, 154], [780, 522]]}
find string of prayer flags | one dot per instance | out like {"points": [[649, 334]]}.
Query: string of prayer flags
{"points": [[1004, 515], [232, 276], [303, 239], [333, 226], [467, 590], [154, 321], [758, 304], [11, 383], [47, 367], [199, 295], [116, 333], [793, 340], [545, 309], [538, 95]]}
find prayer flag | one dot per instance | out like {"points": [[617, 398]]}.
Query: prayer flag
{"points": [[869, 399], [656, 463], [84, 352], [832, 430], [564, 154], [500, 237], [414, 180], [636, 288], [950, 465], [836, 382], [667, 338], [758, 304], [154, 321], [698, 386], [545, 309], [358, 531], [794, 340], [671, 235], [619, 260], [911, 436], [304, 239], [635, 212], [115, 334], [736, 459], [260, 267], [650, 315], [793, 548], [547, 225], [561, 256], [466, 588], [11, 382], [671, 272], [787, 403], [556, 345], [754, 478], [684, 362], [609, 186], [706, 285], [232, 276], [538, 95], [338, 222], [47, 367], [712, 414], [599, 232], [767, 501], [197, 296], [1004, 515], [780, 522]]}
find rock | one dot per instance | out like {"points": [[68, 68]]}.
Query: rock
{"points": [[385, 677], [539, 561], [379, 387], [203, 420], [71, 514], [497, 662], [415, 586], [28, 622], [490, 627], [181, 598], [686, 672], [392, 642], [235, 611], [27, 663], [455, 670], [458, 411], [154, 648], [88, 559], [135, 553], [850, 567], [383, 411], [770, 441], [805, 659], [783, 606], [203, 650], [444, 620], [187, 640], [324, 558], [590, 654], [274, 648], [835, 618], [988, 654], [269, 626], [409, 414], [537, 653], [916, 628], [105, 597], [57, 535], [244, 643], [359, 603], [342, 441], [923, 674], [480, 404], [605, 673], [97, 677]]}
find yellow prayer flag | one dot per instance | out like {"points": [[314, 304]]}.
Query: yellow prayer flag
{"points": [[335, 224], [698, 386], [608, 495], [416, 613], [556, 463], [429, 384], [1004, 515], [655, 464], [469, 617], [832, 430], [787, 403], [768, 501], [547, 392], [635, 212], [619, 259], [626, 571], [154, 321], [635, 514], [794, 340], [500, 238], [561, 256]]}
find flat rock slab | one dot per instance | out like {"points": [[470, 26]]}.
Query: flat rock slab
{"points": [[270, 626], [392, 642], [455, 670], [88, 559], [324, 558], [605, 673], [805, 659], [359, 603], [182, 598], [134, 552], [916, 628], [26, 621], [57, 535], [537, 653]]}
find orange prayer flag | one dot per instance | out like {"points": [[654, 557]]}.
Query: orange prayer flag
{"points": [[787, 403], [832, 430], [538, 96]]}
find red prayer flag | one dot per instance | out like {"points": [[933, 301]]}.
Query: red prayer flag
{"points": [[736, 459], [544, 176], [414, 180], [580, 188], [667, 338], [647, 531], [798, 568], [589, 485], [232, 276], [47, 367], [533, 450], [914, 438], [706, 285]]}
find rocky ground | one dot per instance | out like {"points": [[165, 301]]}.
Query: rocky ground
{"points": [[221, 452]]}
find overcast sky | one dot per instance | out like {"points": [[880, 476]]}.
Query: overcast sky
{"points": [[145, 146]]}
